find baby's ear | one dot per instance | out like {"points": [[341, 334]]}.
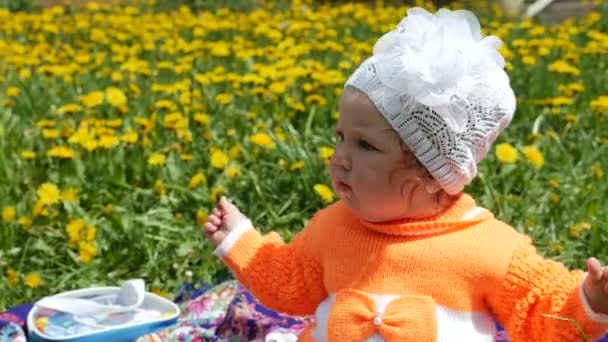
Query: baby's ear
{"points": [[432, 186]]}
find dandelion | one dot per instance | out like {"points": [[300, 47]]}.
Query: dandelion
{"points": [[315, 99], [326, 153], [563, 67], [93, 99], [600, 104], [130, 137], [69, 108], [115, 97], [232, 172], [48, 194], [534, 156], [73, 229], [296, 166], [108, 141], [197, 180], [597, 171], [69, 195], [201, 217], [12, 91], [235, 152], [159, 187], [576, 230], [86, 251], [50, 133], [28, 155], [217, 191], [12, 277], [506, 153], [33, 280], [25, 223], [8, 214], [157, 159], [324, 192], [61, 152], [223, 98], [219, 159], [202, 119], [263, 140]]}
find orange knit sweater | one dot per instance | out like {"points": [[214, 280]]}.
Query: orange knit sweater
{"points": [[413, 280]]}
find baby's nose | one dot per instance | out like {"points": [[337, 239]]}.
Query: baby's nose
{"points": [[341, 160]]}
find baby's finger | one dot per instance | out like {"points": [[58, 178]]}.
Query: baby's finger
{"points": [[214, 220], [210, 228], [595, 269], [217, 212]]}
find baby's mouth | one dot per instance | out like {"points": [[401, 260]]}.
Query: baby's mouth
{"points": [[342, 189]]}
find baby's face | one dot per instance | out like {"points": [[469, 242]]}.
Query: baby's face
{"points": [[369, 170]]}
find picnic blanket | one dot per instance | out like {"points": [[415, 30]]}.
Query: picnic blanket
{"points": [[222, 312]]}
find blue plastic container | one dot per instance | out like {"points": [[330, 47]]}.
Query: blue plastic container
{"points": [[116, 332]]}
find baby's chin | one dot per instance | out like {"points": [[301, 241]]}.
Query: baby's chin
{"points": [[374, 214]]}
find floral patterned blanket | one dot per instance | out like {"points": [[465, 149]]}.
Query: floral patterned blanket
{"points": [[224, 312]]}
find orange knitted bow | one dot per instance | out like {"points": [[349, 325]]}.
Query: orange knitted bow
{"points": [[354, 317]]}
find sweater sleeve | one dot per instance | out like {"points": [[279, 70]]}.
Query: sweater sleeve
{"points": [[535, 288], [284, 277]]}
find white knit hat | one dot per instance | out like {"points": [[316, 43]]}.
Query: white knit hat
{"points": [[442, 87]]}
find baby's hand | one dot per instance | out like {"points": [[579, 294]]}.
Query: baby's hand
{"points": [[221, 221], [596, 286]]}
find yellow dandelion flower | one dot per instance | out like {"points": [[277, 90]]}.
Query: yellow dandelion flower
{"points": [[202, 119], [108, 141], [157, 159], [161, 293], [130, 137], [93, 99], [315, 99], [219, 159], [48, 194], [235, 152], [73, 229], [326, 153], [25, 223], [159, 187], [50, 133], [216, 192], [61, 152], [263, 140], [324, 192], [33, 280], [278, 88], [506, 153], [28, 154], [597, 171], [223, 98], [197, 180], [12, 91], [577, 229], [232, 172], [201, 217], [600, 104], [69, 108], [563, 67], [87, 251], [535, 157], [8, 213], [69, 195], [296, 166], [12, 277], [39, 209]]}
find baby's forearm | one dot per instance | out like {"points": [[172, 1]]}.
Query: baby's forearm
{"points": [[283, 277]]}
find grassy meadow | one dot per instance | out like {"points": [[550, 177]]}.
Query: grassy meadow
{"points": [[121, 125]]}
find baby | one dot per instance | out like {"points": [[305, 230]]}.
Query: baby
{"points": [[405, 255]]}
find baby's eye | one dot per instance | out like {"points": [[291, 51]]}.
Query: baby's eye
{"points": [[364, 144]]}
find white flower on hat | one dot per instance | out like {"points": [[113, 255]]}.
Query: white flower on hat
{"points": [[438, 60]]}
